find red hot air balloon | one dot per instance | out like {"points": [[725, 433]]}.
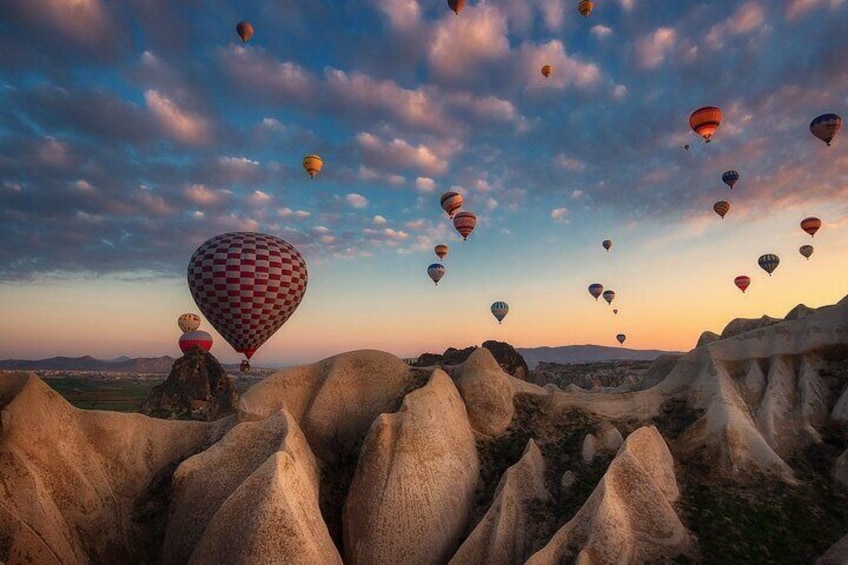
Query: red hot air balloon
{"points": [[742, 281], [705, 121], [247, 285], [811, 225], [451, 202], [244, 31], [456, 5], [465, 222], [198, 338]]}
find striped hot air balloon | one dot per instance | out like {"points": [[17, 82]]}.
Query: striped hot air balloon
{"points": [[607, 244], [609, 296], [464, 222], [768, 262], [730, 178], [826, 126], [247, 285], [546, 70], [595, 289], [313, 165], [436, 271], [188, 322], [441, 250], [499, 310], [451, 202], [199, 339], [806, 251], [742, 282], [721, 208], [705, 121], [585, 8], [811, 225]]}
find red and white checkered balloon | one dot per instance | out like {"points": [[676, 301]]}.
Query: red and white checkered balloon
{"points": [[247, 285]]}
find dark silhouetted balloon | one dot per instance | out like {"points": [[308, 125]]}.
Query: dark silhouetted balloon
{"points": [[730, 178], [721, 208], [607, 244], [768, 262], [806, 251], [826, 126], [595, 289], [621, 338]]}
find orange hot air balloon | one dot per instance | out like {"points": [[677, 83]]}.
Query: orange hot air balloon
{"points": [[244, 30], [464, 222], [451, 202], [313, 165], [441, 250], [811, 225], [546, 70], [705, 121], [742, 281], [456, 5], [585, 8], [721, 208]]}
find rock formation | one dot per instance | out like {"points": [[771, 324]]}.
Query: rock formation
{"points": [[509, 360], [197, 388], [487, 393]]}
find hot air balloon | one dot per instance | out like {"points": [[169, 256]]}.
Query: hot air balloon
{"points": [[768, 262], [500, 310], [313, 165], [730, 177], [441, 250], [456, 5], [546, 70], [705, 121], [742, 281], [451, 202], [247, 285], [199, 339], [436, 271], [615, 310], [806, 251], [595, 289], [585, 8], [464, 222], [607, 243], [621, 338], [244, 30], [188, 322], [721, 208], [811, 225], [686, 147], [826, 126], [609, 295]]}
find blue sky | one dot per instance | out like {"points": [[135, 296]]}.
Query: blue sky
{"points": [[132, 131]]}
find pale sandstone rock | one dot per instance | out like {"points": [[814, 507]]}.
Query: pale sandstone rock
{"points": [[413, 490], [836, 555], [589, 449], [487, 393], [501, 536], [567, 481], [609, 439]]}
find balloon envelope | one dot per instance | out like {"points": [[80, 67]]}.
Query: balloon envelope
{"points": [[201, 339], [595, 289], [806, 251], [451, 202], [247, 285], [607, 243], [456, 5], [244, 30], [499, 310], [313, 165], [436, 271], [585, 8], [811, 225], [609, 296], [441, 250], [742, 282], [621, 338], [826, 126], [705, 121], [768, 262], [188, 322], [730, 177], [721, 208], [464, 222], [546, 70]]}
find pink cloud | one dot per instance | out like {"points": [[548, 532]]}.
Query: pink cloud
{"points": [[179, 124]]}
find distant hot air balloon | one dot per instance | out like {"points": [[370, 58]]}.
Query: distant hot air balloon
{"points": [[607, 244], [247, 285], [191, 339], [621, 338], [451, 202], [742, 281], [730, 177], [546, 70], [721, 208], [188, 322], [826, 126], [464, 222], [609, 295], [436, 271], [499, 310], [441, 250], [806, 251], [686, 147], [768, 262], [313, 165], [595, 289], [456, 5], [615, 310], [585, 8], [705, 121], [811, 225], [244, 30]]}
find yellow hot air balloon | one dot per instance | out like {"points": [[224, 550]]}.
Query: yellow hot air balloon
{"points": [[546, 70], [313, 165], [721, 208], [441, 250], [244, 30], [705, 121], [585, 8]]}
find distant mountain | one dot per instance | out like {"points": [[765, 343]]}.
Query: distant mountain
{"points": [[89, 363], [569, 354]]}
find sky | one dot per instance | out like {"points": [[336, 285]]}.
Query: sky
{"points": [[132, 131]]}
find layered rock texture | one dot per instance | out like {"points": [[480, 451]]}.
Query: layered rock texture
{"points": [[735, 452]]}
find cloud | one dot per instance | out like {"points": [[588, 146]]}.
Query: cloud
{"points": [[379, 220], [356, 200], [401, 154], [83, 186], [559, 215], [425, 185], [54, 153], [179, 124], [84, 22], [577, 194], [569, 163], [601, 31], [202, 195], [747, 18], [652, 49], [256, 71], [461, 43], [288, 212], [402, 14], [568, 71], [259, 198]]}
